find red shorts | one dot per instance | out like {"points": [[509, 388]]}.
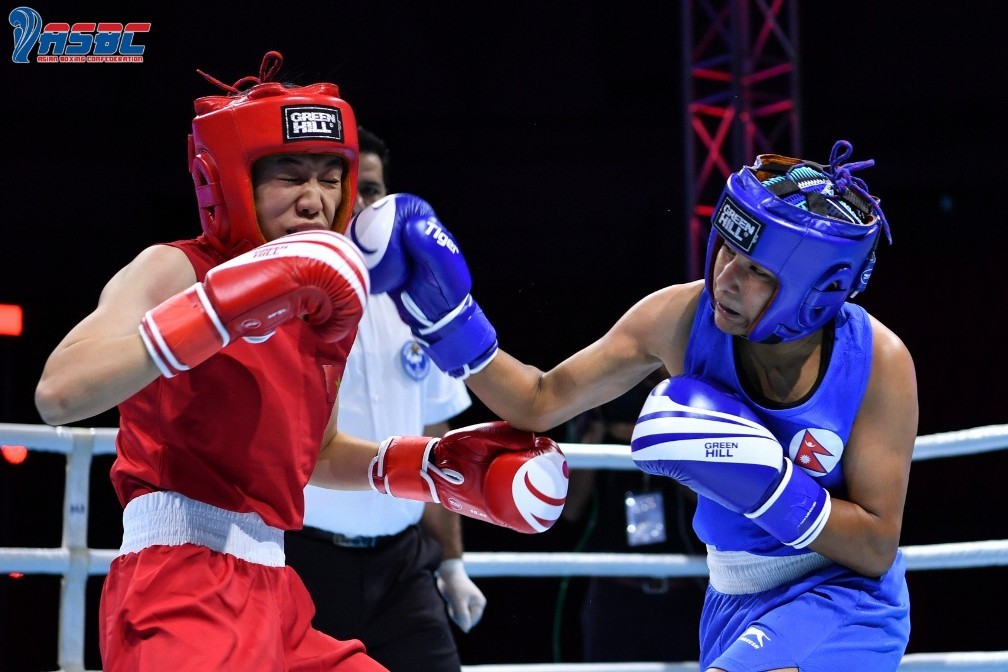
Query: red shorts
{"points": [[177, 608]]}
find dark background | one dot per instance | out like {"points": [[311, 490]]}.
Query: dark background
{"points": [[549, 138]]}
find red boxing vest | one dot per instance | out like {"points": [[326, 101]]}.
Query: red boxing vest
{"points": [[242, 431]]}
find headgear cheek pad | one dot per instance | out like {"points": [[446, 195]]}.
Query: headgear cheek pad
{"points": [[814, 227], [231, 132]]}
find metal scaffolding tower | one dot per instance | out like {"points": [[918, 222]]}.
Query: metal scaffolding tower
{"points": [[740, 85]]}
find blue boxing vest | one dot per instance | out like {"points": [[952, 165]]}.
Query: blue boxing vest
{"points": [[813, 432]]}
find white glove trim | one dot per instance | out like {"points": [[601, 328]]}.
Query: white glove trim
{"points": [[820, 522], [410, 305], [788, 471], [450, 475], [813, 532], [425, 465], [379, 460], [212, 314], [467, 371], [371, 230], [431, 327], [152, 349], [451, 315]]}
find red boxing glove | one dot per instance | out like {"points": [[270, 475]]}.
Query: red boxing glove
{"points": [[317, 275], [490, 472]]}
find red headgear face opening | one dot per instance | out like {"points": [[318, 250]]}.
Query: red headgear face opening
{"points": [[232, 132]]}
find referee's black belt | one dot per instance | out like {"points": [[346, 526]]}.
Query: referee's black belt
{"points": [[344, 541]]}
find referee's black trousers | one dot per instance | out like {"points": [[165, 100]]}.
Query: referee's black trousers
{"points": [[385, 596]]}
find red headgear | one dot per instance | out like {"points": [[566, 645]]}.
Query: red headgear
{"points": [[232, 132]]}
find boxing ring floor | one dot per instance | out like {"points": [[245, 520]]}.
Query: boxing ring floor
{"points": [[75, 562]]}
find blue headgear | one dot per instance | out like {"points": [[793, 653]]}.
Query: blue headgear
{"points": [[814, 227]]}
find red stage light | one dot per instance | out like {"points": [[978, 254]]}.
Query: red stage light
{"points": [[11, 320], [14, 454]]}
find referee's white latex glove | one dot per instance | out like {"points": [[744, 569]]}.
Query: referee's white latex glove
{"points": [[465, 600]]}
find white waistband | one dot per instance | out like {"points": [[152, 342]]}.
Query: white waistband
{"points": [[741, 573], [171, 519]]}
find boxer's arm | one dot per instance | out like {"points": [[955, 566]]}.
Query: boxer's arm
{"points": [[102, 361], [414, 258], [490, 471], [652, 332], [345, 460], [863, 531]]}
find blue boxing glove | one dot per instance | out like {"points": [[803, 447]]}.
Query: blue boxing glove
{"points": [[413, 258], [710, 441]]}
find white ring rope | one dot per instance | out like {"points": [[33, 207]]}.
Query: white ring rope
{"points": [[579, 455], [75, 561], [936, 556]]}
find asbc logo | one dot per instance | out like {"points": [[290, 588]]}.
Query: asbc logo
{"points": [[80, 42]]}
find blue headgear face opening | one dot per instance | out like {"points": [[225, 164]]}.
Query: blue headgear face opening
{"points": [[814, 227]]}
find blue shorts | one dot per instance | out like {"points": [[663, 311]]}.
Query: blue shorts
{"points": [[831, 619]]}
